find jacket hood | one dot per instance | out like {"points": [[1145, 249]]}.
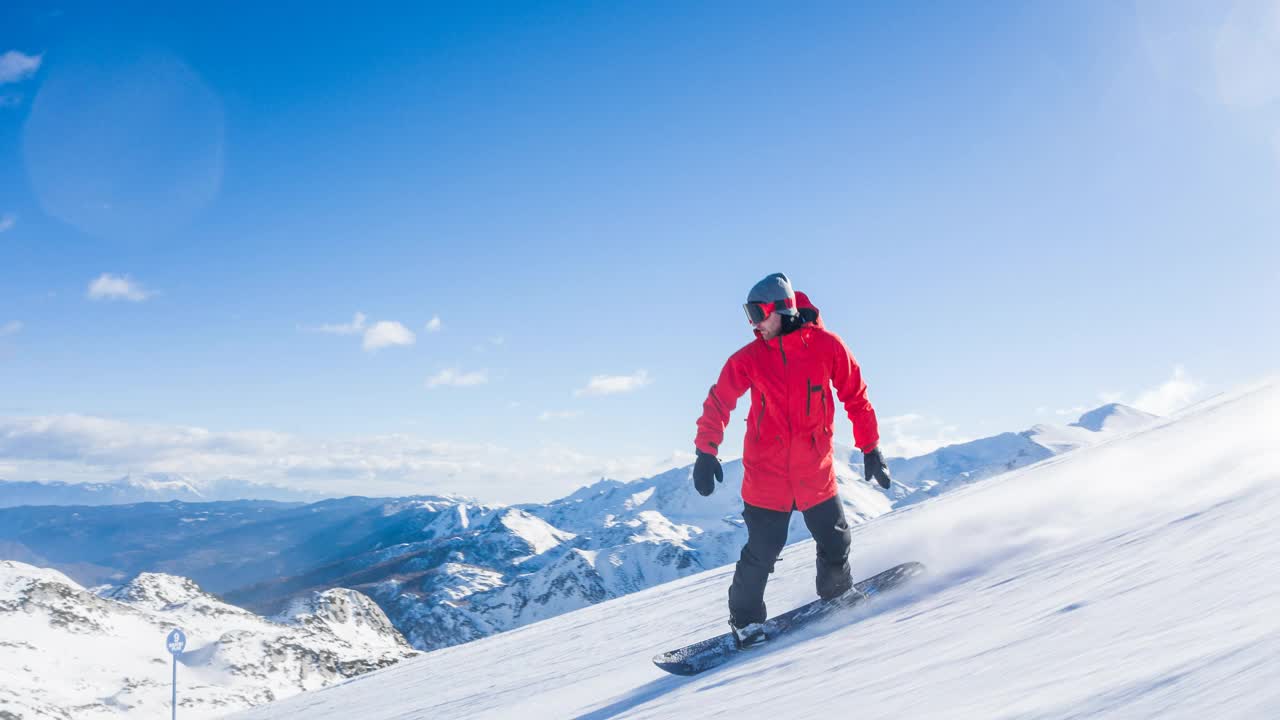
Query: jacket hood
{"points": [[808, 311]]}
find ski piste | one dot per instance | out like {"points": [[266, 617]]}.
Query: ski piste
{"points": [[713, 652]]}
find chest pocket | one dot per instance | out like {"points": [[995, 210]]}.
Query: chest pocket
{"points": [[815, 383], [813, 390]]}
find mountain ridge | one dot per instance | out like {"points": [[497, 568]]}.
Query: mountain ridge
{"points": [[113, 640]]}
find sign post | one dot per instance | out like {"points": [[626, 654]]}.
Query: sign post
{"points": [[175, 642]]}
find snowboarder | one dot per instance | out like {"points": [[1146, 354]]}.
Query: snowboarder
{"points": [[787, 452]]}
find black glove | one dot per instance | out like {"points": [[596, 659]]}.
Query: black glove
{"points": [[704, 469], [874, 467]]}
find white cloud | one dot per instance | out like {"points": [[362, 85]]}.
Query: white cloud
{"points": [[103, 441], [914, 434], [116, 287], [355, 326], [1174, 394], [559, 415], [386, 333], [613, 384], [456, 378], [108, 447], [434, 324], [7, 221], [12, 327], [85, 448], [16, 67], [381, 334]]}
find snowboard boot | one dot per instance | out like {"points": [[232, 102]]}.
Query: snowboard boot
{"points": [[749, 635], [837, 587], [833, 581]]}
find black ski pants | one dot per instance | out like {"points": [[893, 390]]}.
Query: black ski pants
{"points": [[766, 536]]}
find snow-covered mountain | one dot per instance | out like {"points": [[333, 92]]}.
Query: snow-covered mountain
{"points": [[71, 653], [472, 570], [146, 487], [445, 569], [460, 570], [448, 570], [926, 476], [1133, 578]]}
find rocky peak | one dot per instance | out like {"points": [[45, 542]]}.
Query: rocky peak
{"points": [[41, 591], [158, 591], [343, 613], [18, 579]]}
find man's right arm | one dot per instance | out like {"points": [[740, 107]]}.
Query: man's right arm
{"points": [[723, 397]]}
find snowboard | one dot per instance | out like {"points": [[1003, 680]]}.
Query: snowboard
{"points": [[713, 652]]}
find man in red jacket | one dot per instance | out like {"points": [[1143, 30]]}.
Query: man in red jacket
{"points": [[787, 454]]}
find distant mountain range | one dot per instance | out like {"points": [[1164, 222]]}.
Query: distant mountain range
{"points": [[447, 570], [148, 487]]}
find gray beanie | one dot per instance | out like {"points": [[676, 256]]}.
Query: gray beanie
{"points": [[773, 288]]}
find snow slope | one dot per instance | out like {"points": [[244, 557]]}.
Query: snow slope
{"points": [[1135, 578]]}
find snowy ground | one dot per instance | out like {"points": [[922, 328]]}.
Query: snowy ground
{"points": [[1135, 579]]}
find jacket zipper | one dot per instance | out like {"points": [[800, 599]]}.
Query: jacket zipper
{"points": [[786, 403]]}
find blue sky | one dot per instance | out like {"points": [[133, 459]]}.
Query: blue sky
{"points": [[1010, 213]]}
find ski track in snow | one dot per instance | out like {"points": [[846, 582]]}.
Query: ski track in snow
{"points": [[1135, 579]]}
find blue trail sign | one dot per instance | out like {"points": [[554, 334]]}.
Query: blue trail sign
{"points": [[176, 643]]}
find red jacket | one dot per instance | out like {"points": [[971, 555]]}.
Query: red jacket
{"points": [[787, 452]]}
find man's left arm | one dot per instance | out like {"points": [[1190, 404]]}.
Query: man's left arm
{"points": [[846, 376]]}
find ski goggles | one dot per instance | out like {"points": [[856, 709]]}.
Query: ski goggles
{"points": [[757, 312]]}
